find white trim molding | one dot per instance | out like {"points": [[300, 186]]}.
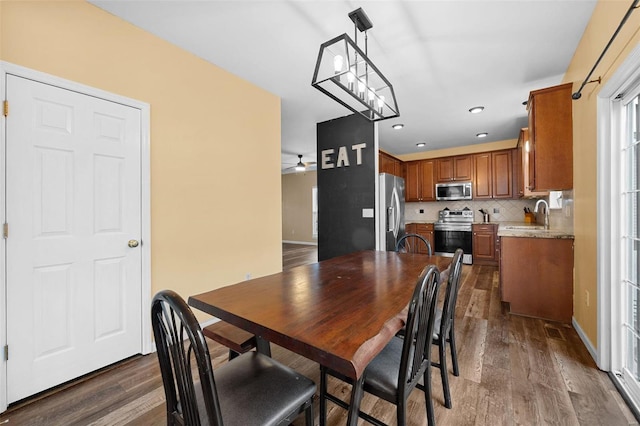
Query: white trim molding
{"points": [[145, 169], [308, 243], [587, 343], [608, 223]]}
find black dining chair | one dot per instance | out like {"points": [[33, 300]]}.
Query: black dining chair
{"points": [[443, 329], [410, 243], [394, 373], [252, 389]]}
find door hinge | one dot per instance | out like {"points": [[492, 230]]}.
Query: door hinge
{"points": [[5, 231], [5, 108], [6, 352]]}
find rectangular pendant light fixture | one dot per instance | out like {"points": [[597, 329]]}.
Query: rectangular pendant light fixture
{"points": [[345, 73]]}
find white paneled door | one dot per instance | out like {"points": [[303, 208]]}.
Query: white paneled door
{"points": [[74, 217]]}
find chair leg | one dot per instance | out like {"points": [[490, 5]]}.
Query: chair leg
{"points": [[454, 352], [323, 396], [444, 374], [402, 413], [427, 397], [308, 415]]}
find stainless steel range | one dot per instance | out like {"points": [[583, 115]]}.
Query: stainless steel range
{"points": [[453, 231]]}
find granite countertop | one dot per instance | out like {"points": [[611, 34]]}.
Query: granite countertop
{"points": [[531, 230], [519, 229]]}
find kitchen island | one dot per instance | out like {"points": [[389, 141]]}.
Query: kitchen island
{"points": [[536, 271]]}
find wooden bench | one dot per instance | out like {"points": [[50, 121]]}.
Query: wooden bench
{"points": [[236, 339]]}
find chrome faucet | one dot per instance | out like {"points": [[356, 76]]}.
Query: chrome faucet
{"points": [[546, 212]]}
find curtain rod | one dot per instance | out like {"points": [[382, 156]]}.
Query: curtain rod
{"points": [[578, 94]]}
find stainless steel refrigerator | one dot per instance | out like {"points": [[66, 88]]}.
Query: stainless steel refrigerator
{"points": [[390, 211]]}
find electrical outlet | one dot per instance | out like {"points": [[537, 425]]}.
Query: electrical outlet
{"points": [[496, 211], [421, 210], [586, 298], [247, 276]]}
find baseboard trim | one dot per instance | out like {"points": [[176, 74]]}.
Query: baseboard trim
{"points": [[306, 243], [585, 340]]}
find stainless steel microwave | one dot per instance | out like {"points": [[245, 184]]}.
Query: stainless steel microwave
{"points": [[453, 191]]}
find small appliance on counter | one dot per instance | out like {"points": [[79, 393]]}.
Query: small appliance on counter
{"points": [[453, 231]]}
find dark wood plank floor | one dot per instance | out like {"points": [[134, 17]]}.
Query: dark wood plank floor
{"points": [[514, 371]]}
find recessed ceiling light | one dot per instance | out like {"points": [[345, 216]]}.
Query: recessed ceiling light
{"points": [[398, 126], [476, 109], [421, 144], [482, 135]]}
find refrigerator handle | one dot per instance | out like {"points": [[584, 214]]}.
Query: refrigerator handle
{"points": [[396, 205], [391, 219]]}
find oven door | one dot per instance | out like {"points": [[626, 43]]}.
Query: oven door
{"points": [[447, 240]]}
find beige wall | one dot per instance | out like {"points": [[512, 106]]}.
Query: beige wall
{"points": [[297, 208], [605, 19], [211, 221]]}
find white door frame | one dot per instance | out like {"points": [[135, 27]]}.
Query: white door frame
{"points": [[608, 228], [145, 170]]}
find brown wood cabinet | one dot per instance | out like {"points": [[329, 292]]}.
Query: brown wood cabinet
{"points": [[419, 185], [389, 164], [482, 179], [521, 168], [423, 229], [458, 168], [536, 277], [485, 246], [493, 175], [551, 138]]}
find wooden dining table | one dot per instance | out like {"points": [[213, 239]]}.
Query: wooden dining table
{"points": [[338, 312]]}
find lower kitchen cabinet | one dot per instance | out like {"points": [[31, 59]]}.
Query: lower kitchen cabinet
{"points": [[423, 229], [536, 277], [484, 243]]}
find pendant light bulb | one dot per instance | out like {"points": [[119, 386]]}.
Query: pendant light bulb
{"points": [[380, 103], [361, 88], [351, 77], [338, 61], [372, 96]]}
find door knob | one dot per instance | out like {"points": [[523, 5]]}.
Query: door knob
{"points": [[133, 243]]}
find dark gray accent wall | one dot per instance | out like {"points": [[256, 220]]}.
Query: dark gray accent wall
{"points": [[345, 187]]}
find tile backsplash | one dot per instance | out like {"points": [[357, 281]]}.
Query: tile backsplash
{"points": [[499, 210]]}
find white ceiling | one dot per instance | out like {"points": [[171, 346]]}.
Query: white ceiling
{"points": [[442, 57]]}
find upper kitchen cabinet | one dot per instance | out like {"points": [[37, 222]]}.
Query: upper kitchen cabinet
{"points": [[458, 168], [389, 164], [521, 168], [493, 175], [551, 139], [419, 185]]}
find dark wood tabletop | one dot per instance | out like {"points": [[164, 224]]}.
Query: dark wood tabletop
{"points": [[339, 312]]}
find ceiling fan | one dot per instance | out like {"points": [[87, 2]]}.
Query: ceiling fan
{"points": [[302, 166]]}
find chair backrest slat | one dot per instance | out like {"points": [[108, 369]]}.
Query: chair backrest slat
{"points": [[416, 351], [409, 243], [453, 285], [179, 340]]}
